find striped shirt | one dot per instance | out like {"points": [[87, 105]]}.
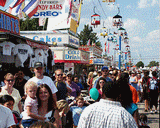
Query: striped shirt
{"points": [[106, 114]]}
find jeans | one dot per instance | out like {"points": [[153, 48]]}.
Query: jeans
{"points": [[27, 123]]}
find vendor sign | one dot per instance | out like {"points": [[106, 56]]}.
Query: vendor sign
{"points": [[9, 23], [49, 8], [72, 55]]}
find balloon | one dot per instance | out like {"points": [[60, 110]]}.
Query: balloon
{"points": [[94, 93]]}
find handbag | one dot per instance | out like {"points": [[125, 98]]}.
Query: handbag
{"points": [[52, 119]]}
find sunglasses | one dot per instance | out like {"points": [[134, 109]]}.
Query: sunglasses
{"points": [[10, 80], [69, 76], [59, 74], [101, 82]]}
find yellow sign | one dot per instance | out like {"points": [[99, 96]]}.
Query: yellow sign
{"points": [[73, 26]]}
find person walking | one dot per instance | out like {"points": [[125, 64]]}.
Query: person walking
{"points": [[133, 80], [105, 72], [108, 112], [153, 89], [39, 79], [90, 80], [145, 89]]}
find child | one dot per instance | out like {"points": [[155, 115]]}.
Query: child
{"points": [[8, 101], [30, 114], [63, 108], [77, 110], [143, 121]]}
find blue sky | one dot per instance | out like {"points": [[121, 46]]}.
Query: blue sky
{"points": [[141, 21]]}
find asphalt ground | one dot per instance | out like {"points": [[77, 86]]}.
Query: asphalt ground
{"points": [[153, 119]]}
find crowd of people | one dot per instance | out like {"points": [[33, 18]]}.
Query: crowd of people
{"points": [[27, 102]]}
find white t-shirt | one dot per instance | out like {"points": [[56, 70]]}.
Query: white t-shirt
{"points": [[32, 61], [7, 47], [39, 54], [6, 117], [23, 51], [46, 80]]}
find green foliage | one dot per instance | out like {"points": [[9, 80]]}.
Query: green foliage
{"points": [[31, 24], [140, 64], [153, 63], [87, 34]]}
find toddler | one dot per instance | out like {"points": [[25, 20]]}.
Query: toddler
{"points": [[77, 110], [8, 101], [30, 114]]}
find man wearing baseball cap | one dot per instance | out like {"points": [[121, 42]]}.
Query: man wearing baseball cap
{"points": [[105, 72], [39, 79]]}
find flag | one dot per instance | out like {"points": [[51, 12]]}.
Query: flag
{"points": [[3, 2], [31, 8], [16, 3], [105, 46], [17, 11], [89, 42], [42, 21]]}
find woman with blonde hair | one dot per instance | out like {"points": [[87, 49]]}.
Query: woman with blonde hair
{"points": [[90, 80], [8, 89]]}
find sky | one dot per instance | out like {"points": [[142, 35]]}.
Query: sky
{"points": [[140, 19]]}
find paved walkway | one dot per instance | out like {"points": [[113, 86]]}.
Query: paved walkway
{"points": [[153, 119]]}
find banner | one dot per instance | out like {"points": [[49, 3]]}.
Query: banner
{"points": [[68, 17], [49, 8]]}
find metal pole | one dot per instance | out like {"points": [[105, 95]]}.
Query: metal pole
{"points": [[125, 60], [119, 64]]}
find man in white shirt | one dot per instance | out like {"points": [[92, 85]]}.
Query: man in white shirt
{"points": [[39, 79], [6, 118], [108, 112]]}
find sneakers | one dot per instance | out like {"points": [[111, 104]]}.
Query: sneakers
{"points": [[151, 112], [155, 112]]}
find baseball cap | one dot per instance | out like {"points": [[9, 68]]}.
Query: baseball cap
{"points": [[38, 64], [69, 73], [104, 67]]}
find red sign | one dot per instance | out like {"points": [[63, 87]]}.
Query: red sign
{"points": [[9, 23], [36, 45]]}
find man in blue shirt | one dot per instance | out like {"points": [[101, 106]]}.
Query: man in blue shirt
{"points": [[105, 72]]}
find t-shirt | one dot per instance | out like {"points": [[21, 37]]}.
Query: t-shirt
{"points": [[16, 96], [7, 47], [46, 80], [32, 61], [34, 107], [39, 54], [23, 51], [6, 117], [75, 89], [76, 112], [45, 57]]}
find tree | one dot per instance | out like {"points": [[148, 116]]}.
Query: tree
{"points": [[87, 34], [31, 24], [153, 63], [140, 64]]}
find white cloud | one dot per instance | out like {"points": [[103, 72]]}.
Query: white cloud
{"points": [[137, 39], [147, 3], [133, 26], [129, 6], [142, 3], [153, 36], [154, 2]]}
